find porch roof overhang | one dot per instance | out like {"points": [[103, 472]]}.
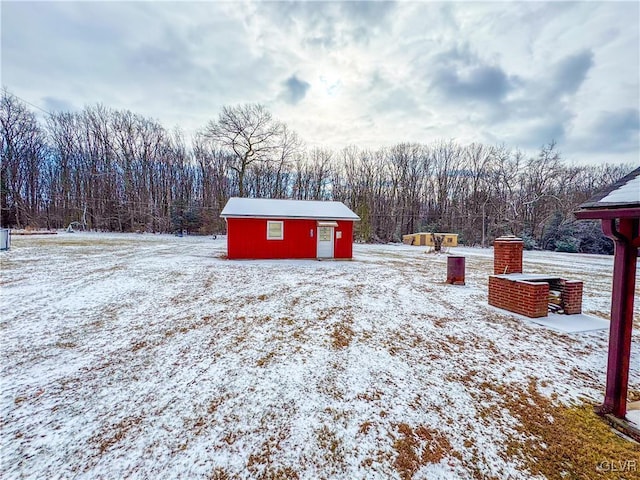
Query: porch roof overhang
{"points": [[608, 213], [619, 200]]}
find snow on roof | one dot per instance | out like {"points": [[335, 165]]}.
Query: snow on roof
{"points": [[627, 193], [274, 208], [623, 193]]}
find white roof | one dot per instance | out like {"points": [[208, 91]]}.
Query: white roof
{"points": [[622, 195], [627, 193], [272, 208]]}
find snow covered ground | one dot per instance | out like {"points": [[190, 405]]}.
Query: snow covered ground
{"points": [[141, 356]]}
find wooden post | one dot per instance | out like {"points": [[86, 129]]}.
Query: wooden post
{"points": [[624, 280]]}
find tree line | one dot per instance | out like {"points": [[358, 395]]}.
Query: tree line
{"points": [[114, 170]]}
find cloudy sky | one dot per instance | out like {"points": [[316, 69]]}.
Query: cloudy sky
{"points": [[363, 73]]}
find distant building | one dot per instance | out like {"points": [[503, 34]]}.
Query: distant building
{"points": [[260, 228]]}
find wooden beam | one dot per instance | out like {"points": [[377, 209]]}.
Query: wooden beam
{"points": [[623, 426], [608, 213], [624, 279]]}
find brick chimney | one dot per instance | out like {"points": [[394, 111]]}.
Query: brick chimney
{"points": [[507, 255]]}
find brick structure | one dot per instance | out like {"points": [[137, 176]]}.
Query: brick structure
{"points": [[526, 294], [519, 296], [507, 255], [572, 296]]}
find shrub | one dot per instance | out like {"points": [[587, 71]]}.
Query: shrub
{"points": [[568, 245], [592, 240], [528, 241]]}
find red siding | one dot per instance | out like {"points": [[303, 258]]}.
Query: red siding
{"points": [[343, 247], [247, 238]]}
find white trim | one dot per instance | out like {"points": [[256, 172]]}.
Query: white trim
{"points": [[281, 237], [289, 217], [327, 224]]}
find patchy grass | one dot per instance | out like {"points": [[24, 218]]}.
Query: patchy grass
{"points": [[559, 441], [152, 356], [221, 474], [332, 449], [115, 433], [341, 335], [418, 447]]}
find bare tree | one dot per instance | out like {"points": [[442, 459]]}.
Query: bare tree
{"points": [[23, 152], [117, 170], [312, 175], [250, 132]]}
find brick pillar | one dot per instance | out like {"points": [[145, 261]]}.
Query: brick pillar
{"points": [[507, 255], [572, 297]]}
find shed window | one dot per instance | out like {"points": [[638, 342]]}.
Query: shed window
{"points": [[275, 231], [324, 234]]}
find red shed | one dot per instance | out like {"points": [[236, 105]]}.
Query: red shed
{"points": [[269, 228]]}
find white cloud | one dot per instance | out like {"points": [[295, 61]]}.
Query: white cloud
{"points": [[366, 73]]}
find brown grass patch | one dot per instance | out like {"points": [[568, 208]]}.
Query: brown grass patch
{"points": [[287, 321], [419, 447], [260, 464], [114, 433], [367, 462], [4, 282], [341, 336], [327, 313], [221, 474], [440, 322], [264, 361], [138, 346], [294, 301], [371, 396], [286, 473], [328, 441], [365, 427], [563, 442], [354, 290]]}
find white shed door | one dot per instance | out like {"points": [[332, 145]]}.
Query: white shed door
{"points": [[325, 242]]}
